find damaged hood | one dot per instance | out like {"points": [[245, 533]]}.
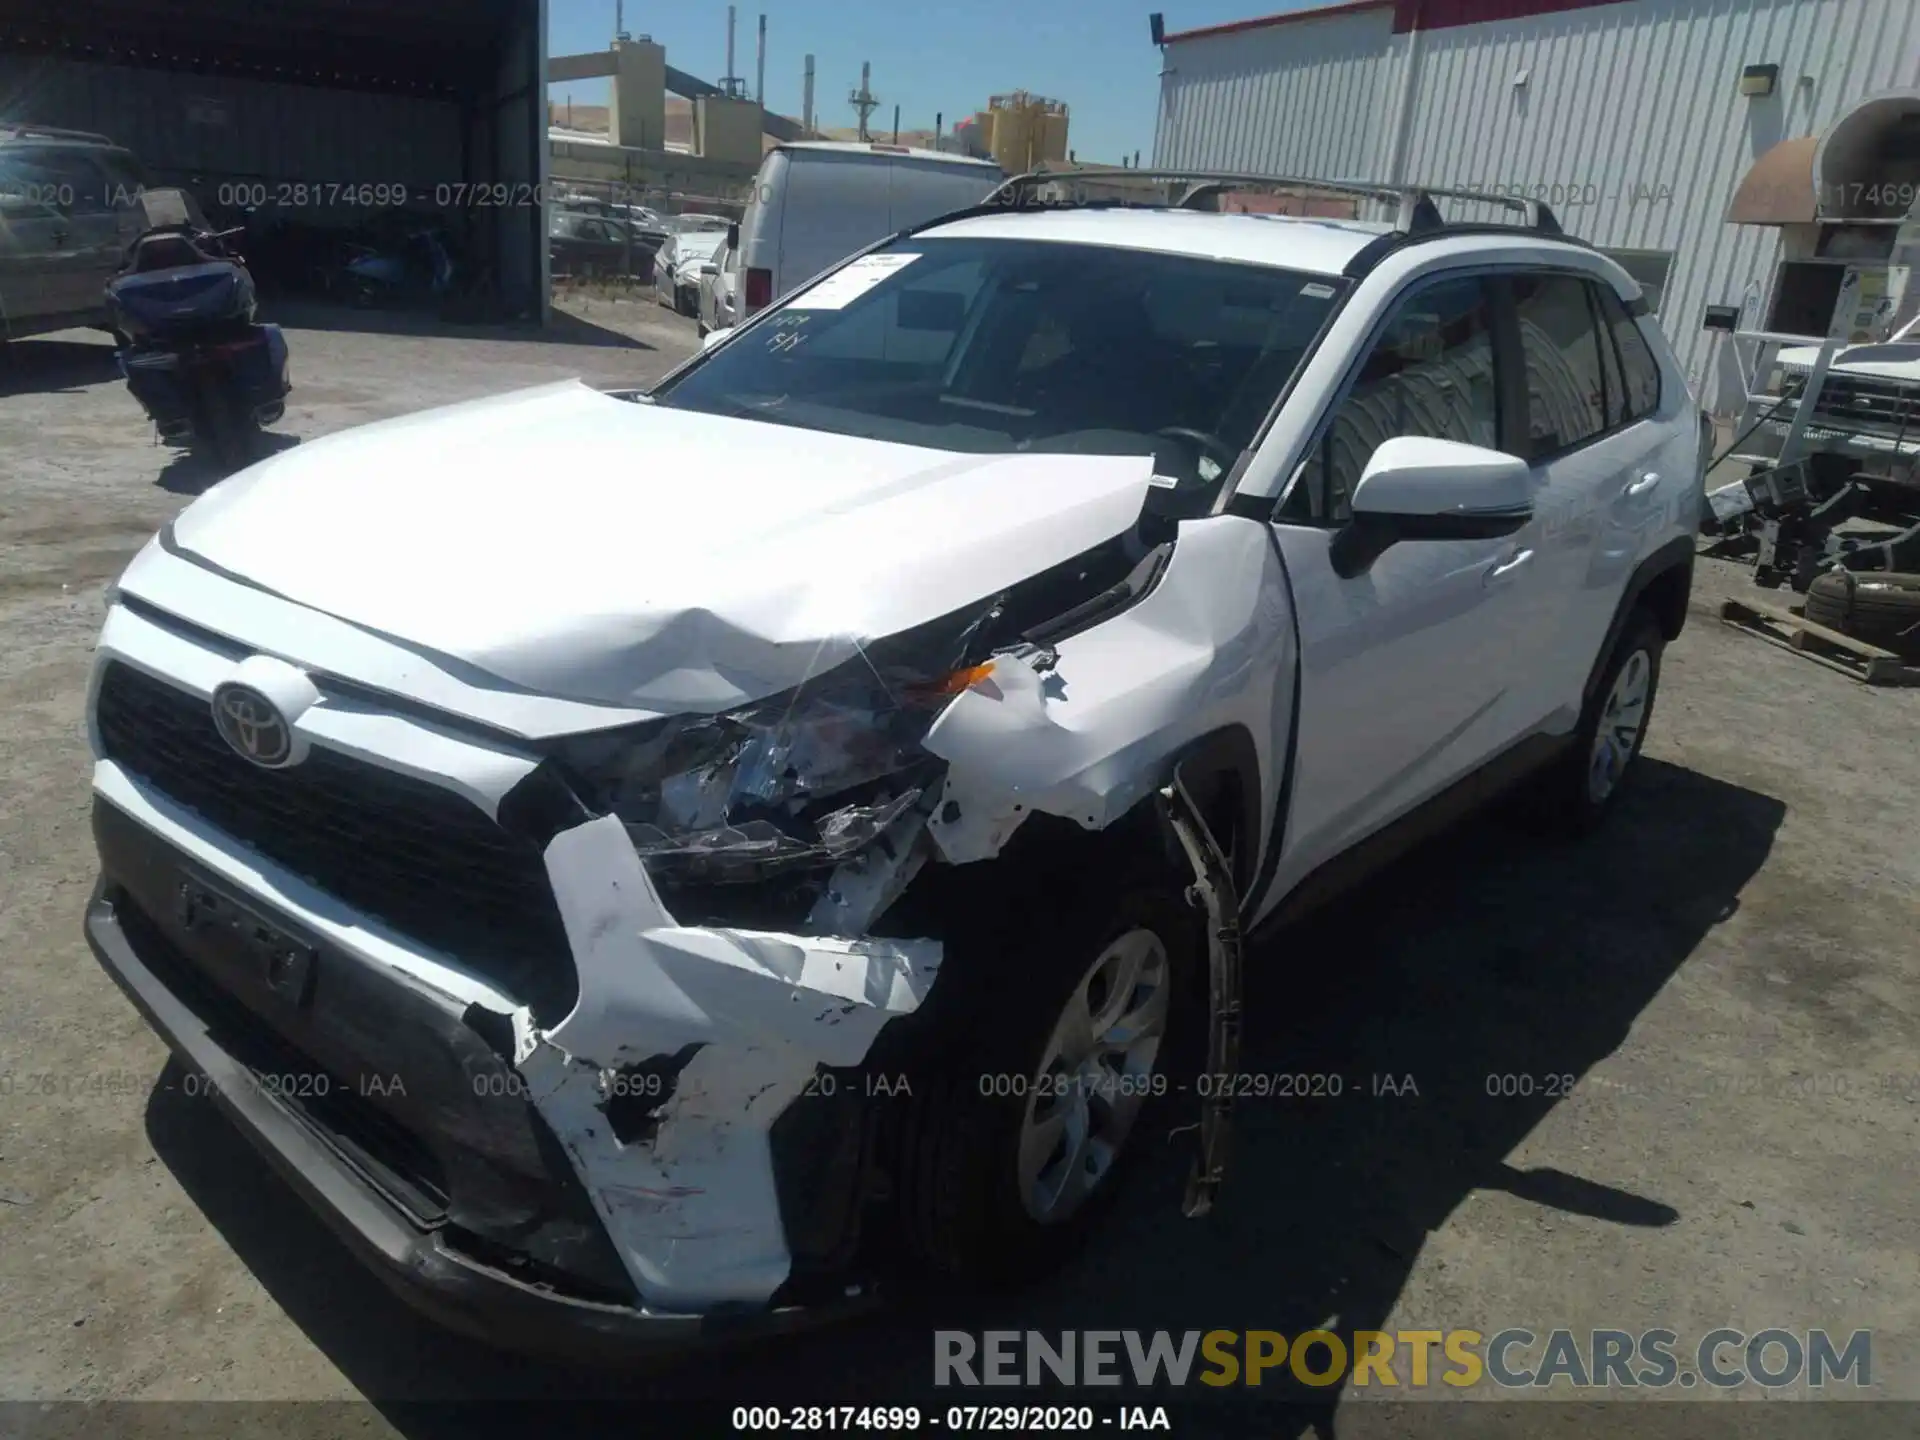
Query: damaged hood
{"points": [[603, 550]]}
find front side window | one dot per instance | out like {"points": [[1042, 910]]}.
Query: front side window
{"points": [[1010, 346], [1430, 372]]}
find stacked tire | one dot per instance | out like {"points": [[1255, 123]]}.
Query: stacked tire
{"points": [[1880, 608]]}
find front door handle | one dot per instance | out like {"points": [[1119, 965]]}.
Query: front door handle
{"points": [[1507, 567], [1637, 488]]}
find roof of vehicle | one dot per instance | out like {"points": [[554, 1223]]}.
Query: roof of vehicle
{"points": [[857, 147], [1295, 242], [53, 135]]}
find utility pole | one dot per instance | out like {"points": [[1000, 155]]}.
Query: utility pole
{"points": [[806, 101], [896, 124], [760, 68], [730, 83], [863, 101]]}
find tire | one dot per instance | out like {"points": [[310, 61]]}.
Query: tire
{"points": [[1571, 797], [969, 1216], [1879, 607]]}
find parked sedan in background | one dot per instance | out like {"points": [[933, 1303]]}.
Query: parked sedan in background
{"points": [[719, 286], [676, 269], [596, 245]]}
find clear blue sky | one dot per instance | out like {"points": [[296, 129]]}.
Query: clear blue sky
{"points": [[927, 57]]}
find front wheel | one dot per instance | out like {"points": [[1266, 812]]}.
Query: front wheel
{"points": [[1072, 1030]]}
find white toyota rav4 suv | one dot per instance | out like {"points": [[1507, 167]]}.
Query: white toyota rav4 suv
{"points": [[646, 863]]}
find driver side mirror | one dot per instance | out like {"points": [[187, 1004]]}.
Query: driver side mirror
{"points": [[733, 236], [1415, 488]]}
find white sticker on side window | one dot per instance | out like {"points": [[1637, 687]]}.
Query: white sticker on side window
{"points": [[1316, 291], [845, 286]]}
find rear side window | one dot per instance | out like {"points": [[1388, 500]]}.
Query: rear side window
{"points": [[1561, 344], [1640, 373]]}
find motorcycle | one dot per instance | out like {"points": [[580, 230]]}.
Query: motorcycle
{"points": [[412, 266], [206, 372]]}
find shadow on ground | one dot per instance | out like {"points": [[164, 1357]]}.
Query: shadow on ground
{"points": [[194, 472], [44, 367], [561, 328], [1480, 955]]}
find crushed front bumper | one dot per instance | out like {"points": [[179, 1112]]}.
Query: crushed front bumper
{"points": [[386, 1109]]}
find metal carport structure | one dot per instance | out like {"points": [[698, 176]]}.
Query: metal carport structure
{"points": [[349, 98]]}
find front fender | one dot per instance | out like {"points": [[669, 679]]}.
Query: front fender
{"points": [[1209, 649]]}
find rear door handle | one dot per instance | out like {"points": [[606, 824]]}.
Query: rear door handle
{"points": [[1637, 488], [1507, 567]]}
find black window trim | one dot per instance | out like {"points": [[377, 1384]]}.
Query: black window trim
{"points": [[1488, 276]]}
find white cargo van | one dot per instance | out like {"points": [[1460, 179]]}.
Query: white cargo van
{"points": [[817, 202]]}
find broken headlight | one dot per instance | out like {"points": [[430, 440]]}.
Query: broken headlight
{"points": [[796, 782]]}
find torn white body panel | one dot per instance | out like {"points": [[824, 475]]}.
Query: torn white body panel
{"points": [[666, 560], [1210, 646], [692, 1209]]}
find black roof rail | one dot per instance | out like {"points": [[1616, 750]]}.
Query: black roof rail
{"points": [[1381, 246], [1413, 207]]}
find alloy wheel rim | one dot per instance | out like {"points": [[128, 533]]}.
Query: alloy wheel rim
{"points": [[1621, 720], [1094, 1076]]}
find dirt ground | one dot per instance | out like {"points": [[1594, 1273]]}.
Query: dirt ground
{"points": [[1728, 975]]}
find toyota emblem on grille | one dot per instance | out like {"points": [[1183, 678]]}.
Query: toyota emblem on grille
{"points": [[253, 725]]}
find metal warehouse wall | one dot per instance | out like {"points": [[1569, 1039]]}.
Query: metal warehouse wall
{"points": [[184, 125], [1632, 108], [1313, 97]]}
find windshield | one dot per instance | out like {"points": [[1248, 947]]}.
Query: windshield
{"points": [[994, 346]]}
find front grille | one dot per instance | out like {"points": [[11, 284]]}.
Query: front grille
{"points": [[1869, 404], [414, 855]]}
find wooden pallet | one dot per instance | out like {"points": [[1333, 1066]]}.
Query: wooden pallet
{"points": [[1791, 629]]}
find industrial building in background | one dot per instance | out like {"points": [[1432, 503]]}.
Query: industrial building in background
{"points": [[1017, 131], [706, 141], [1700, 145]]}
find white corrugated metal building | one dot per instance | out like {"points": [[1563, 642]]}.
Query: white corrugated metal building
{"points": [[1631, 118]]}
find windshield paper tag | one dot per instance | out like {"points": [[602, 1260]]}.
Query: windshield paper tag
{"points": [[844, 286], [1317, 292]]}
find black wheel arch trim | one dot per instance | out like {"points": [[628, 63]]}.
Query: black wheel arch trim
{"points": [[1674, 557], [1227, 753]]}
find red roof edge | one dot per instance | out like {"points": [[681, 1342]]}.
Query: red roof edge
{"points": [[1410, 14], [1261, 22]]}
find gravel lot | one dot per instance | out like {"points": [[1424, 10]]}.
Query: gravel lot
{"points": [[1730, 972]]}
